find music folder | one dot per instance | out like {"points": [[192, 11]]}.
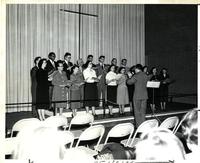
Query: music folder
{"points": [[153, 84]]}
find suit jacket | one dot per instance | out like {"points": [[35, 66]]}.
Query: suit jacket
{"points": [[65, 67], [50, 69], [140, 81], [101, 71]]}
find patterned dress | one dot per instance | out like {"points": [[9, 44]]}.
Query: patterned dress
{"points": [[60, 93]]}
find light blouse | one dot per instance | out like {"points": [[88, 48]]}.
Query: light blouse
{"points": [[111, 75], [89, 74]]}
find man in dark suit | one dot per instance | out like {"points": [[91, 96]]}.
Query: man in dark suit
{"points": [[67, 64], [140, 93], [51, 67], [101, 70]]}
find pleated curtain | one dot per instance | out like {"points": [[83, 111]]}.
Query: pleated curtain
{"points": [[36, 29]]}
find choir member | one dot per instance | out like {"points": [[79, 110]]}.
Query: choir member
{"points": [[51, 68], [34, 85], [67, 64], [90, 88], [75, 89], [164, 79], [122, 90], [153, 92], [42, 91], [101, 70], [61, 86], [111, 81]]}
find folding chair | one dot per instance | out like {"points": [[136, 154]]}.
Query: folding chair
{"points": [[170, 123], [81, 120], [68, 138], [144, 127], [118, 131], [56, 121], [91, 133], [27, 122]]}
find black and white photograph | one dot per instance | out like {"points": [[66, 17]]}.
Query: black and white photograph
{"points": [[100, 82]]}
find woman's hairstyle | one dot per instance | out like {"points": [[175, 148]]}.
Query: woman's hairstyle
{"points": [[113, 59], [111, 67], [58, 62], [116, 151], [36, 58], [189, 127], [41, 62], [159, 144], [87, 63], [42, 143], [162, 70], [120, 69], [151, 71], [72, 70]]}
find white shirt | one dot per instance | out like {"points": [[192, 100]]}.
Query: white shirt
{"points": [[89, 74], [111, 75]]}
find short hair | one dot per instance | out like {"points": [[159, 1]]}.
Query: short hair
{"points": [[189, 127], [124, 59], [67, 54], [41, 62], [74, 66], [116, 151], [58, 62], [51, 53], [159, 144], [102, 56], [113, 59], [89, 56], [119, 71], [87, 63], [139, 66], [36, 58], [151, 71], [110, 67], [37, 144]]}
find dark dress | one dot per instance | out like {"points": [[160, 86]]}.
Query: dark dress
{"points": [[33, 89], [164, 87], [42, 91], [153, 93]]}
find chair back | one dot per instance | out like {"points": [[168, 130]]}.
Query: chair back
{"points": [[27, 122], [56, 121], [82, 119], [93, 132], [144, 127], [68, 138], [10, 145], [121, 130], [170, 123]]}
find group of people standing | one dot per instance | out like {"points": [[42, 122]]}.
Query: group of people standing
{"points": [[89, 85]]}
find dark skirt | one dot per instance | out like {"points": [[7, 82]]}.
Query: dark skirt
{"points": [[90, 93], [111, 95], [164, 93]]}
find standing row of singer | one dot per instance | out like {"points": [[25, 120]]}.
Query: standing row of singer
{"points": [[85, 83]]}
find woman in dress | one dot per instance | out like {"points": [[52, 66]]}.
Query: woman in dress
{"points": [[111, 81], [75, 89], [60, 89], [42, 90], [153, 92], [90, 88], [164, 82], [34, 85], [122, 90]]}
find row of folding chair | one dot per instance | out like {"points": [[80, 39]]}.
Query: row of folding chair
{"points": [[53, 121]]}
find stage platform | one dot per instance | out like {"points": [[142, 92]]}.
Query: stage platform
{"points": [[173, 108]]}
